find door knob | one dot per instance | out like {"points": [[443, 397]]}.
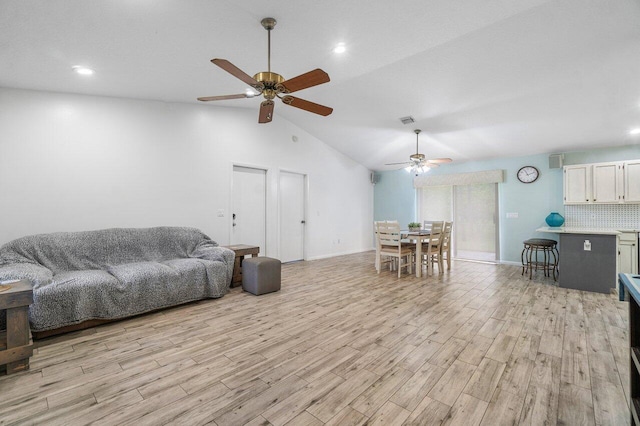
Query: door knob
{"points": [[303, 222]]}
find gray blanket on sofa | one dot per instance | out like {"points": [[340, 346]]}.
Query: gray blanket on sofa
{"points": [[115, 273]]}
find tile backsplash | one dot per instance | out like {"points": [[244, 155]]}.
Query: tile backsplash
{"points": [[618, 216]]}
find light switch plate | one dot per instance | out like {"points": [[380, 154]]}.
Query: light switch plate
{"points": [[587, 245], [220, 213], [512, 215]]}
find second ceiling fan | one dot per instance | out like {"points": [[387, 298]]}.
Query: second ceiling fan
{"points": [[272, 85], [418, 163]]}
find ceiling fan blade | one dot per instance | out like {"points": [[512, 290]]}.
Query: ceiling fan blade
{"points": [[307, 105], [439, 160], [431, 165], [224, 97], [303, 81], [397, 164], [235, 71], [266, 112]]}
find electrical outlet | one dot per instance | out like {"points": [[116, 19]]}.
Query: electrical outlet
{"points": [[587, 245], [220, 213]]}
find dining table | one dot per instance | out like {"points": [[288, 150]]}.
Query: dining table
{"points": [[417, 238]]}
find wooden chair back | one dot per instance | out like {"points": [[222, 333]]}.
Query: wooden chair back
{"points": [[436, 233], [388, 234], [446, 235]]}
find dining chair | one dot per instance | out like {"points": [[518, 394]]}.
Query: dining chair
{"points": [[380, 257], [389, 243], [445, 246], [431, 253]]}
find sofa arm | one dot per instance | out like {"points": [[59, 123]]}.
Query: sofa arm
{"points": [[37, 274], [220, 254], [217, 254]]}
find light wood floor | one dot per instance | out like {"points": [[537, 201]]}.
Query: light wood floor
{"points": [[341, 345]]}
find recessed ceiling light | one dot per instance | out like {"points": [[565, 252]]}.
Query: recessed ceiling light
{"points": [[635, 131], [340, 48], [79, 69]]}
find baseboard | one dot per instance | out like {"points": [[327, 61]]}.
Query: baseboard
{"points": [[509, 262], [327, 256]]}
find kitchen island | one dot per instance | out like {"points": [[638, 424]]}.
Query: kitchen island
{"points": [[588, 258]]}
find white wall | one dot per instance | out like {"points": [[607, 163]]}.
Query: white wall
{"points": [[73, 162]]}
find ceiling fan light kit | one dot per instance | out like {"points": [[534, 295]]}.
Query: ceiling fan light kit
{"points": [[418, 163], [272, 85]]}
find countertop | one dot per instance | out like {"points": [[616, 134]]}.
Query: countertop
{"points": [[567, 230], [632, 283]]}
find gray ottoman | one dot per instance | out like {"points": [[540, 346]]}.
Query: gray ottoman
{"points": [[260, 275]]}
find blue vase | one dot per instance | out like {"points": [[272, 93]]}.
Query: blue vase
{"points": [[554, 219]]}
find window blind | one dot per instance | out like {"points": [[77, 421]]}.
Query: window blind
{"points": [[471, 178]]}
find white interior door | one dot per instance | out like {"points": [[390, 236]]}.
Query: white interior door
{"points": [[292, 217], [249, 207]]}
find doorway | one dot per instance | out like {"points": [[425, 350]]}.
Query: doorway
{"points": [[249, 218], [292, 216], [474, 212], [475, 221]]}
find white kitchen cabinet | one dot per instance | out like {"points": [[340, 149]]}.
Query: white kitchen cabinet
{"points": [[631, 177], [602, 183], [606, 183], [628, 253], [577, 184]]}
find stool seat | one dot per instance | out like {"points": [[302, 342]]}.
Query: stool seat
{"points": [[541, 242], [533, 247], [261, 275]]}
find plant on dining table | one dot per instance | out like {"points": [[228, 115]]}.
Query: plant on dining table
{"points": [[414, 226]]}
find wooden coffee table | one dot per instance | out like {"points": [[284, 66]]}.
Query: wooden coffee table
{"points": [[16, 345], [241, 250]]}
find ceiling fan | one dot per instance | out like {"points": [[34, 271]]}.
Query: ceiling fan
{"points": [[272, 85], [418, 163]]}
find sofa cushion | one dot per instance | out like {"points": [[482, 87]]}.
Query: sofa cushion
{"points": [[72, 296]]}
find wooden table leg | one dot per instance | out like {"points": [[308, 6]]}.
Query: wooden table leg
{"points": [[18, 337], [418, 256]]}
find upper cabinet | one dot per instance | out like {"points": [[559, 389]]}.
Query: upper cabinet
{"points": [[632, 181], [606, 188], [602, 183], [577, 184]]}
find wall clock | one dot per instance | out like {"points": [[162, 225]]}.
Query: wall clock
{"points": [[528, 174]]}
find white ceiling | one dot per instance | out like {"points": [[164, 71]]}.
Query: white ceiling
{"points": [[482, 78]]}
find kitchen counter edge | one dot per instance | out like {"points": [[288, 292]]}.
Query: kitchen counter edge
{"points": [[567, 230]]}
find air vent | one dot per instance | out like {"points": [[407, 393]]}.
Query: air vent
{"points": [[407, 120]]}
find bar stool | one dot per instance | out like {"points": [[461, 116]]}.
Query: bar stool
{"points": [[535, 248]]}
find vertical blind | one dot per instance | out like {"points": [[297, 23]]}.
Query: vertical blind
{"points": [[470, 200]]}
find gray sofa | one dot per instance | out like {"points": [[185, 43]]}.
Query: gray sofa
{"points": [[114, 273]]}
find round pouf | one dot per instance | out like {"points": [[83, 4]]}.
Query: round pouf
{"points": [[261, 275]]}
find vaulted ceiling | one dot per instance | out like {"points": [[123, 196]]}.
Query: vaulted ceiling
{"points": [[482, 78]]}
